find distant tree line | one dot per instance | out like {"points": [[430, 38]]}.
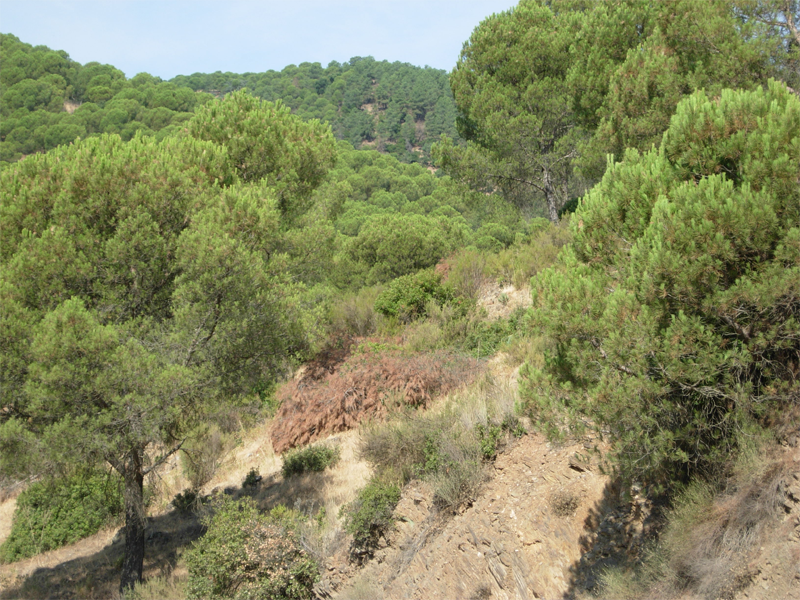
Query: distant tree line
{"points": [[394, 107], [47, 99]]}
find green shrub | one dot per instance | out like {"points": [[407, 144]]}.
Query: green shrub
{"points": [[355, 313], [570, 206], [310, 458], [252, 478], [186, 501], [493, 237], [673, 313], [483, 338], [489, 436], [392, 245], [370, 515], [245, 554], [406, 297], [57, 512]]}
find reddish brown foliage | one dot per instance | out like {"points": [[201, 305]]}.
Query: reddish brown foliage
{"points": [[365, 385], [328, 360], [443, 267]]}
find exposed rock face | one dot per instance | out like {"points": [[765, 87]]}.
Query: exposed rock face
{"points": [[545, 526], [520, 539]]}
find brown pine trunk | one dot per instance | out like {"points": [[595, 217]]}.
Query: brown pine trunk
{"points": [[134, 522], [550, 196]]}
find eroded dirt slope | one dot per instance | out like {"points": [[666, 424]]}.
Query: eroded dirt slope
{"points": [[520, 539], [545, 526]]}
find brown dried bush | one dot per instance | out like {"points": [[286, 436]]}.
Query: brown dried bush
{"points": [[365, 386]]}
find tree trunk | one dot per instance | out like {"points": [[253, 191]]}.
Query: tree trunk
{"points": [[134, 522], [550, 196]]}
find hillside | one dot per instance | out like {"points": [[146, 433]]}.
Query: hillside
{"points": [[48, 99], [240, 358], [395, 107], [545, 523]]}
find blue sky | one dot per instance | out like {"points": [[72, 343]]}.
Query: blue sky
{"points": [[179, 37]]}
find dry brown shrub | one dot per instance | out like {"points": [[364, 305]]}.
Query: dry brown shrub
{"points": [[564, 504], [364, 386], [328, 360]]}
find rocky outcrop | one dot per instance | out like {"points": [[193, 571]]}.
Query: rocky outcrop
{"points": [[519, 539]]}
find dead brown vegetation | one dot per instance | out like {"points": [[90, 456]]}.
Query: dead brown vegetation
{"points": [[366, 385]]}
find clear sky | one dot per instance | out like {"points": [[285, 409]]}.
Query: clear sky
{"points": [[181, 37]]}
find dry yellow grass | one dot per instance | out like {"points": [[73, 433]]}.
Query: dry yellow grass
{"points": [[7, 508]]}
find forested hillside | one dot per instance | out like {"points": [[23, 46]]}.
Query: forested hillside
{"points": [[394, 107], [48, 99]]}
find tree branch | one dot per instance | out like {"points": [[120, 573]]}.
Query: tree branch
{"points": [[197, 342], [163, 459], [620, 368]]}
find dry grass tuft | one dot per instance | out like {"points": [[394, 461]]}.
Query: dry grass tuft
{"points": [[361, 589], [443, 445], [167, 586], [712, 535], [564, 504]]}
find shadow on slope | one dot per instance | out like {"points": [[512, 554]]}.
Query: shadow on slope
{"points": [[96, 576]]}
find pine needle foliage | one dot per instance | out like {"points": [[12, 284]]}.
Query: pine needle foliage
{"points": [[675, 312]]}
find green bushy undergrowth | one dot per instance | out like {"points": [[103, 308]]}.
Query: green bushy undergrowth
{"points": [[246, 554], [310, 458], [464, 327], [533, 251], [483, 338], [406, 297], [53, 513], [370, 515]]}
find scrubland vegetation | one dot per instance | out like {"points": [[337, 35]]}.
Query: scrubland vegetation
{"points": [[631, 174]]}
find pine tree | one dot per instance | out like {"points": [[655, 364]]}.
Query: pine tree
{"points": [[138, 292], [675, 313]]}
